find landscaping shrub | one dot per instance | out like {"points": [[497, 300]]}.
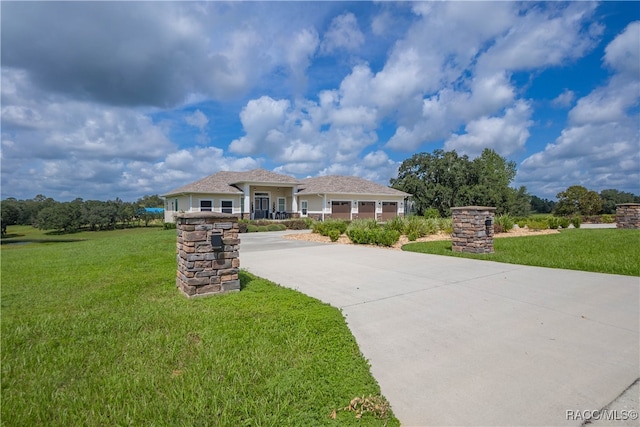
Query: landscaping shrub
{"points": [[553, 222], [432, 213], [172, 225], [309, 222], [386, 237], [251, 228], [396, 223], [334, 234], [505, 222], [362, 232], [446, 225], [608, 219], [295, 224], [576, 221], [324, 227], [418, 226], [537, 224], [412, 236], [276, 227], [263, 228]]}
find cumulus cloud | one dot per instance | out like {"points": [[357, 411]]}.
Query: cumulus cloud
{"points": [[343, 33], [601, 146]]}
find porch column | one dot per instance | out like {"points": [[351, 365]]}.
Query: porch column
{"points": [[294, 199], [246, 189]]}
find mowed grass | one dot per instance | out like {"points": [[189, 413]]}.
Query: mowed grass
{"points": [[614, 251], [95, 333]]}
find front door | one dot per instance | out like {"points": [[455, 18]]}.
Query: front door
{"points": [[261, 206]]}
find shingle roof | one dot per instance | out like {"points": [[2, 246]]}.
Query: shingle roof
{"points": [[345, 185], [222, 182]]}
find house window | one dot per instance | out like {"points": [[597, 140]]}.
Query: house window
{"points": [[303, 207], [282, 204], [227, 206], [206, 205], [176, 205]]}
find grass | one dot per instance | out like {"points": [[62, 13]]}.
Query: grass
{"points": [[611, 251], [95, 333]]}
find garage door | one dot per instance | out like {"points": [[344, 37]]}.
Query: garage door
{"points": [[340, 210], [366, 210], [389, 210]]}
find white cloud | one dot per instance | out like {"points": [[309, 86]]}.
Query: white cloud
{"points": [[623, 53], [197, 119], [601, 146], [506, 135], [343, 33], [565, 99]]}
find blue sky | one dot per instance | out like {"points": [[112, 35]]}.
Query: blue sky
{"points": [[120, 99]]}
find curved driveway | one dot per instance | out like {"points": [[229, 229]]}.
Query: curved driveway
{"points": [[454, 341]]}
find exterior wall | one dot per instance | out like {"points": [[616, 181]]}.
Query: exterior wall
{"points": [[316, 206], [628, 215]]}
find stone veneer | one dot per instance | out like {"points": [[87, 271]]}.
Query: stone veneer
{"points": [[470, 234], [628, 215], [201, 270]]}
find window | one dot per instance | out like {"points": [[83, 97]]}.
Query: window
{"points": [[206, 205], [227, 206], [303, 207], [282, 204]]}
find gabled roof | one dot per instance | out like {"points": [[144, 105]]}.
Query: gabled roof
{"points": [[223, 182], [339, 184], [226, 182]]}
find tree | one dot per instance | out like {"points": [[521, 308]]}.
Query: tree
{"points": [[542, 205], [153, 201], [578, 200], [443, 180], [611, 198]]}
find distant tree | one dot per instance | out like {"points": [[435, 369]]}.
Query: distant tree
{"points": [[520, 202], [153, 201], [65, 217], [611, 198], [542, 205], [9, 212], [578, 200], [443, 179]]}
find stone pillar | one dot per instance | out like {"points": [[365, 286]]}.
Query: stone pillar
{"points": [[628, 215], [470, 230], [203, 269]]}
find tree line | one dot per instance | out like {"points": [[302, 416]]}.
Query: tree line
{"points": [[443, 179], [47, 214]]}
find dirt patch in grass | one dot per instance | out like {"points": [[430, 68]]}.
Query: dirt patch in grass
{"points": [[344, 240]]}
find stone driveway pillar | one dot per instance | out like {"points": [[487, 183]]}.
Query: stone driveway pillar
{"points": [[473, 229]]}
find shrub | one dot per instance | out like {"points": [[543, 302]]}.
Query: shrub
{"points": [[295, 224], [251, 228], [505, 222], [553, 222], [576, 221], [564, 222], [276, 227], [412, 237], [608, 219], [172, 225], [323, 228], [432, 213], [386, 237], [397, 224], [419, 226], [373, 236], [263, 228], [537, 224], [309, 222], [446, 225], [334, 234]]}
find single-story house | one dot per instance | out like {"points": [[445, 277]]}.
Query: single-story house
{"points": [[259, 194]]}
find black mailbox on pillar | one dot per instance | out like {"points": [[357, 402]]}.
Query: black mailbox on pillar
{"points": [[216, 241], [488, 222]]}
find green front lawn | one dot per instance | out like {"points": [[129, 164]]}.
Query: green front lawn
{"points": [[598, 250], [95, 333]]}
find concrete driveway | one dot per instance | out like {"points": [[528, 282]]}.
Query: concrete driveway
{"points": [[464, 342]]}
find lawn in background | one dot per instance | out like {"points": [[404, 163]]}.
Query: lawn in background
{"points": [[614, 251], [95, 333]]}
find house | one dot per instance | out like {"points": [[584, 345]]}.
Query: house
{"points": [[259, 194]]}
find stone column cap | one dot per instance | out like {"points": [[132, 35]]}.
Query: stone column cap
{"points": [[213, 215], [475, 208]]}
